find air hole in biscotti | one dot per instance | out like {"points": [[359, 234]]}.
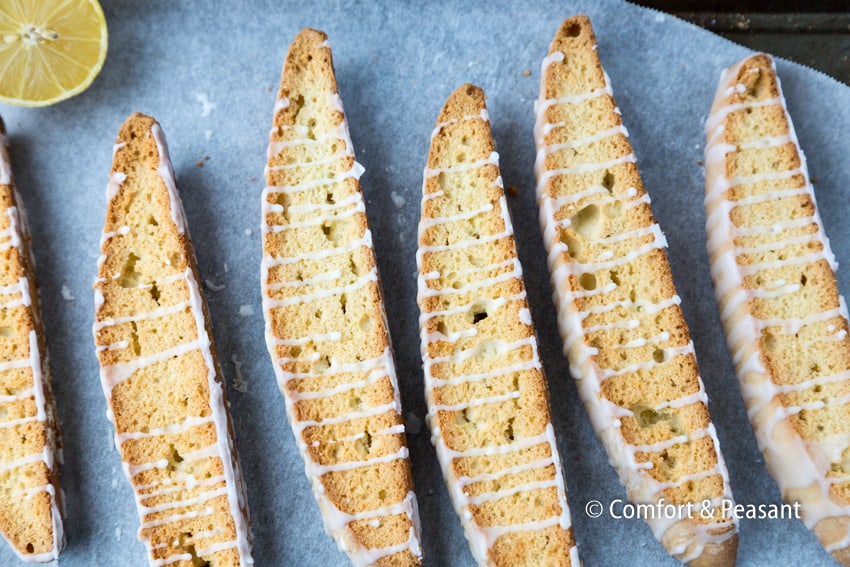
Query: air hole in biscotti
{"points": [[30, 548], [587, 281], [574, 30], [317, 314], [364, 444], [509, 430], [174, 457], [647, 417], [614, 209], [365, 323], [129, 277], [296, 351], [297, 104], [803, 279], [6, 331], [615, 277], [343, 300], [330, 198], [155, 294], [441, 327], [633, 295], [464, 140], [134, 338], [479, 313], [352, 264], [326, 230], [658, 355], [322, 364], [608, 181], [572, 243], [460, 157], [588, 222], [769, 341], [174, 259], [356, 402]]}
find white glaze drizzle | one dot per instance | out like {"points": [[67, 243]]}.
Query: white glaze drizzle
{"points": [[5, 161], [799, 466], [481, 538], [114, 374], [319, 286], [19, 296], [574, 328]]}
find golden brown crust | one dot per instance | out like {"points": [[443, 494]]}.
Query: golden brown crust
{"points": [[775, 281], [159, 370], [484, 383], [627, 341], [30, 517], [325, 323]]}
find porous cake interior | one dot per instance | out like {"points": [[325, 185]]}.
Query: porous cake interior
{"points": [[159, 370], [619, 313], [29, 507], [325, 325], [762, 210], [487, 395]]}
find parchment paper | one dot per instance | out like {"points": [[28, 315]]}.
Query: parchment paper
{"points": [[396, 63]]}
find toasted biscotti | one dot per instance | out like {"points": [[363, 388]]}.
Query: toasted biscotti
{"points": [[618, 312], [488, 403], [30, 499], [158, 366], [774, 277], [326, 329]]}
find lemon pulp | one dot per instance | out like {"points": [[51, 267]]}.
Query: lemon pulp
{"points": [[50, 50]]}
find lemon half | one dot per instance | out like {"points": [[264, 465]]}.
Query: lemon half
{"points": [[50, 50]]}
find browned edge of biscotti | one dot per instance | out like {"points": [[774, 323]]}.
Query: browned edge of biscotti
{"points": [[467, 260], [350, 305], [142, 185], [576, 102], [38, 539], [756, 182]]}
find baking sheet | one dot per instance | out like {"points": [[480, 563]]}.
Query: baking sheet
{"points": [[208, 71]]}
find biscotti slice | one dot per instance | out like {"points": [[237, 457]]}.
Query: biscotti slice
{"points": [[159, 369], [618, 312], [774, 277], [488, 403], [326, 330], [30, 499]]}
